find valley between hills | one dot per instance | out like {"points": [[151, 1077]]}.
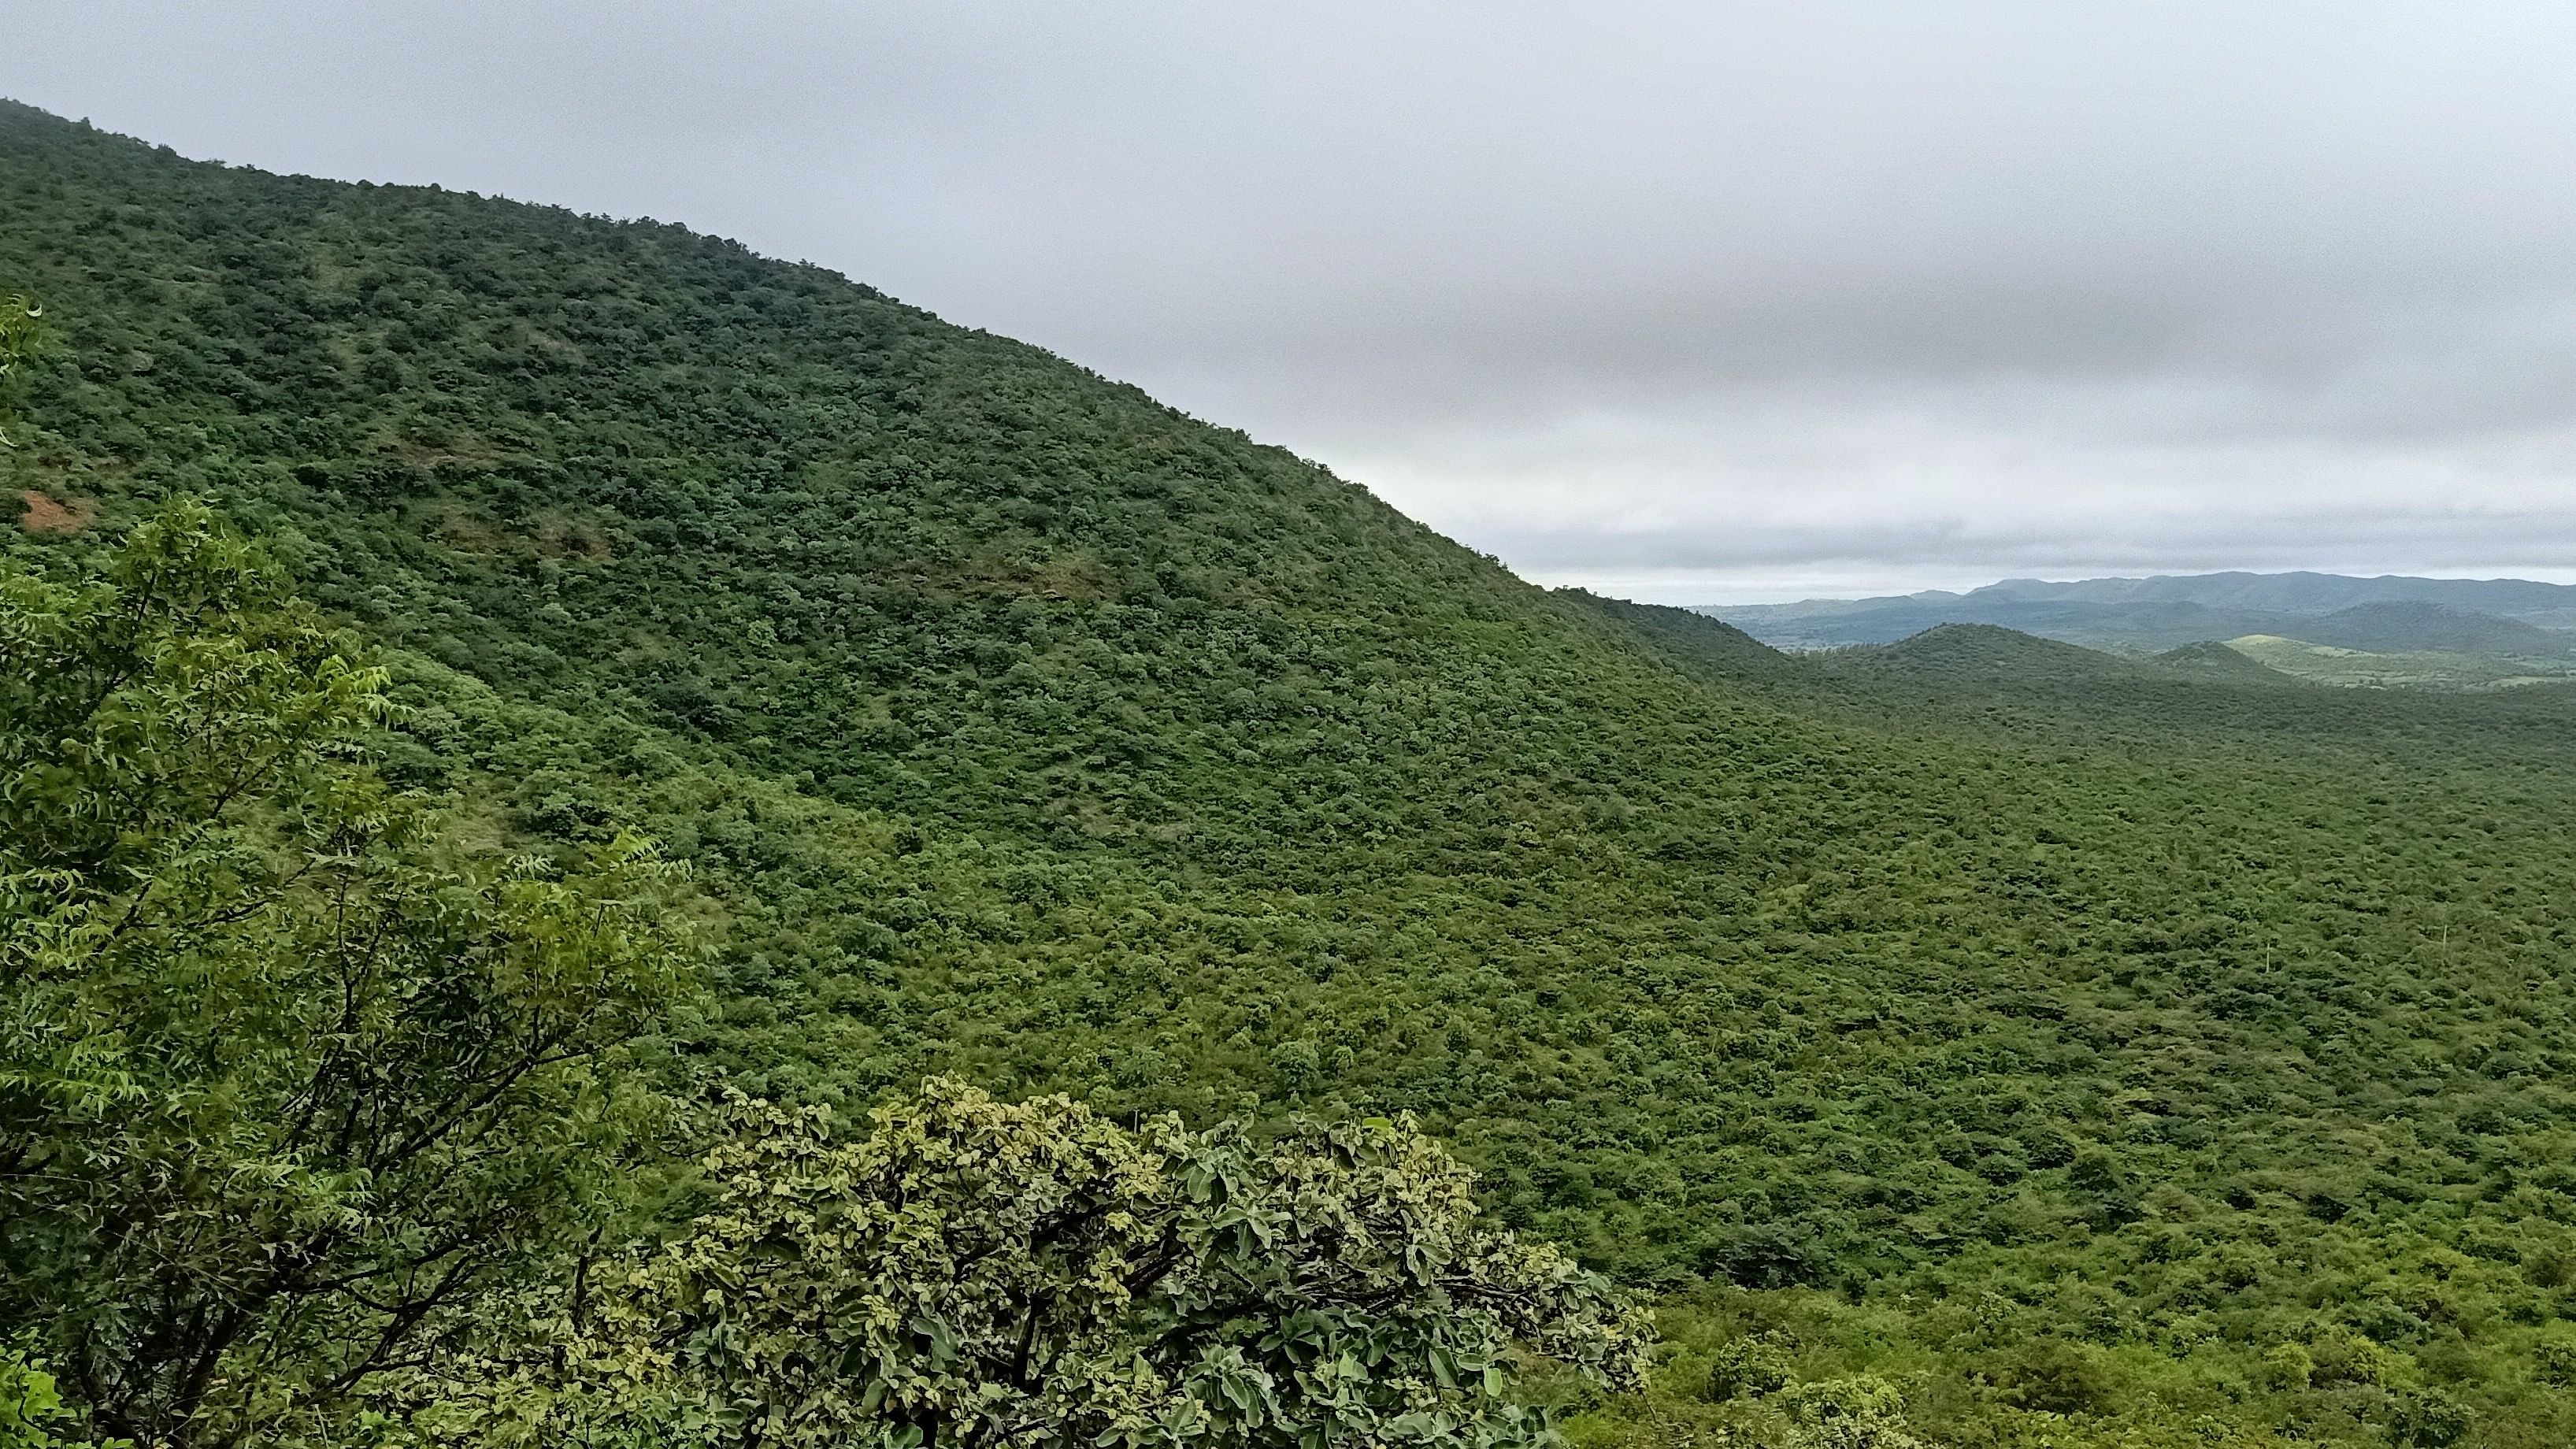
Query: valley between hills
{"points": [[1968, 1038]]}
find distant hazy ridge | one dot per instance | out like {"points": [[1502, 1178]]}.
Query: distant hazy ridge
{"points": [[2502, 617]]}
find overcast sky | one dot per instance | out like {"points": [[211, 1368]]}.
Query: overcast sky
{"points": [[1695, 302]]}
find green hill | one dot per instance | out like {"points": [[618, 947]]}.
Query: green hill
{"points": [[1951, 1011], [1994, 654], [1703, 641], [2415, 627], [2218, 663]]}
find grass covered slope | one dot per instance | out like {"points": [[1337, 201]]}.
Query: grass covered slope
{"points": [[2426, 669], [2394, 628], [1019, 726]]}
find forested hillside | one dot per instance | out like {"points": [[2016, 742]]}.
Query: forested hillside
{"points": [[2009, 1042]]}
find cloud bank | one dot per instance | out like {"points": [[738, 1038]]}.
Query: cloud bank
{"points": [[1687, 302]]}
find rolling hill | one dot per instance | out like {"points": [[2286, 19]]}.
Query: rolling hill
{"points": [[2053, 1034], [2219, 663], [2391, 628], [2309, 593], [2503, 616], [1989, 653]]}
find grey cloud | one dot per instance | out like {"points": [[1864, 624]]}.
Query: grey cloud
{"points": [[1680, 293], [2449, 543]]}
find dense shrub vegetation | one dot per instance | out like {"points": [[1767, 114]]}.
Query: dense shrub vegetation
{"points": [[315, 1121], [1984, 1041]]}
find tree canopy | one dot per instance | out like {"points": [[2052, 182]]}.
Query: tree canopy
{"points": [[975, 1273], [284, 1074]]}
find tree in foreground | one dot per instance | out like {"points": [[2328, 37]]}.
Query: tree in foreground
{"points": [[977, 1273], [285, 1079]]}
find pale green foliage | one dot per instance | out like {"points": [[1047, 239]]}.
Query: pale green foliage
{"points": [[32, 1412], [282, 1077], [144, 711], [30, 1405], [2347, 1358], [2288, 1366], [974, 1272], [1750, 1366], [1863, 1411], [22, 341]]}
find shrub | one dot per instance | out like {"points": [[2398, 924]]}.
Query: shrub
{"points": [[1748, 1367], [2553, 1361], [2288, 1366], [2052, 1376], [2350, 1359], [1862, 1411], [2427, 1419], [973, 1273]]}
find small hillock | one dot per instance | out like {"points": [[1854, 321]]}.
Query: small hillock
{"points": [[2405, 627], [2218, 663], [1992, 653]]}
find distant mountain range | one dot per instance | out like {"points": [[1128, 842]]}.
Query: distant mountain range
{"points": [[2499, 618]]}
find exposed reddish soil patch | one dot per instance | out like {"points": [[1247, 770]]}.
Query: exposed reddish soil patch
{"points": [[46, 515]]}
